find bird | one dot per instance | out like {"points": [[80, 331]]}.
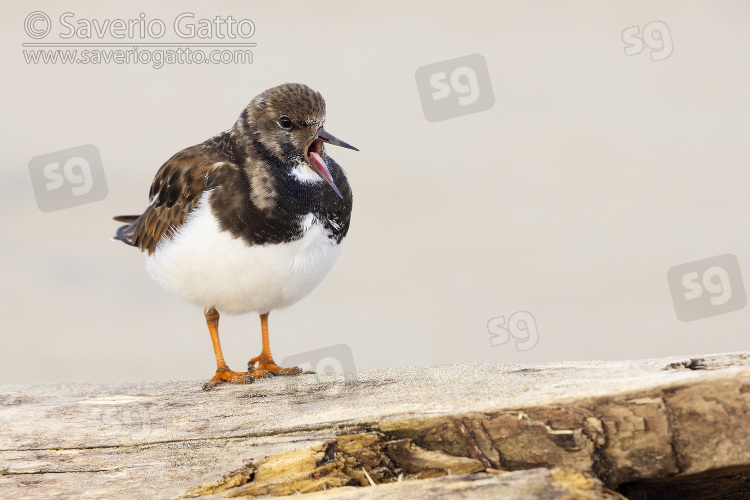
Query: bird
{"points": [[249, 221]]}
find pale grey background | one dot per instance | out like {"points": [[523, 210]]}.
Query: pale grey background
{"points": [[592, 175]]}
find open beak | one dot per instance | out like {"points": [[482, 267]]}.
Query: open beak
{"points": [[326, 137], [313, 154]]}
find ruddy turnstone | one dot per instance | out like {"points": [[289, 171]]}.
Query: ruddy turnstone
{"points": [[251, 220]]}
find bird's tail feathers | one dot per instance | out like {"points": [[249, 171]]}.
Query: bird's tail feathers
{"points": [[125, 233], [128, 219]]}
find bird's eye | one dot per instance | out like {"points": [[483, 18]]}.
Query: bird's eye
{"points": [[285, 122]]}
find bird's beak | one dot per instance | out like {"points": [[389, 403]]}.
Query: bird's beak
{"points": [[326, 137], [313, 155]]}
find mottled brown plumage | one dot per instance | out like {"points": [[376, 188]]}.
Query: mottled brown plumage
{"points": [[249, 164], [175, 192]]}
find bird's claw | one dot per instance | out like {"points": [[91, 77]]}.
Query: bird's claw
{"points": [[228, 377], [271, 369]]}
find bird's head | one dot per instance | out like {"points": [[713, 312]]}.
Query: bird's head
{"points": [[288, 122]]}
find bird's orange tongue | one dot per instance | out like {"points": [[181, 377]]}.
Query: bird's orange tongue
{"points": [[323, 171]]}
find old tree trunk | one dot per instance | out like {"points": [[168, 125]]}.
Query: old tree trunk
{"points": [[660, 428]]}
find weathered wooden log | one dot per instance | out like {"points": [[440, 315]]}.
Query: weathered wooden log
{"points": [[660, 428]]}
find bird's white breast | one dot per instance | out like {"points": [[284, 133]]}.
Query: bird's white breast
{"points": [[211, 268], [305, 174]]}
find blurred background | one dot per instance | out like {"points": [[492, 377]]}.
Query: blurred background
{"points": [[597, 147]]}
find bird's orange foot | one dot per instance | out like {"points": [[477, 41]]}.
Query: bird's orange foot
{"points": [[269, 368], [228, 376]]}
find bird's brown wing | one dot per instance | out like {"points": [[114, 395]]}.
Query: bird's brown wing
{"points": [[175, 192]]}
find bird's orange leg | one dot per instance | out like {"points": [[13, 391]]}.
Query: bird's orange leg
{"points": [[266, 365], [223, 373]]}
